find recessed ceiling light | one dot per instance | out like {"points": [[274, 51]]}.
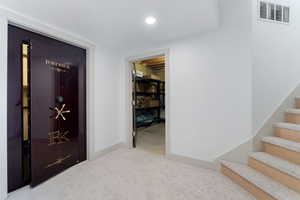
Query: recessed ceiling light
{"points": [[150, 20]]}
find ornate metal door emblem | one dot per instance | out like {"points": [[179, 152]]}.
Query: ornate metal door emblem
{"points": [[60, 111], [58, 137], [58, 161]]}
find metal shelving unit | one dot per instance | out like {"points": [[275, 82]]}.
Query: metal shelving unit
{"points": [[146, 116]]}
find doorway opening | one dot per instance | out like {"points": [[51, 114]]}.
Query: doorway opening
{"points": [[149, 97]]}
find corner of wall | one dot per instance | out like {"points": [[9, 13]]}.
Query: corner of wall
{"points": [[193, 162], [108, 150], [238, 154], [277, 116]]}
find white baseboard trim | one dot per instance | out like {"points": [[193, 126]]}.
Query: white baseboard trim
{"points": [[108, 150], [192, 161]]}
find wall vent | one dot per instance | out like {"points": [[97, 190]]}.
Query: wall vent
{"points": [[273, 12]]}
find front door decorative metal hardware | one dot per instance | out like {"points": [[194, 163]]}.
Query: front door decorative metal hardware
{"points": [[57, 137], [60, 111], [58, 161]]}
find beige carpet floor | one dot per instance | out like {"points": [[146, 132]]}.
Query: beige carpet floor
{"points": [[135, 175], [152, 139]]}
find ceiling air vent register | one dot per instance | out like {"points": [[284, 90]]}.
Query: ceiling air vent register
{"points": [[273, 12]]}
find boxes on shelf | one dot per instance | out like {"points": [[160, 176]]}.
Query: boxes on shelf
{"points": [[140, 87], [139, 74], [152, 76], [153, 103], [151, 88], [146, 87], [146, 102], [140, 102], [143, 102]]}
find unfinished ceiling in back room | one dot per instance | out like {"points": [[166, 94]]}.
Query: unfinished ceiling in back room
{"points": [[120, 23]]}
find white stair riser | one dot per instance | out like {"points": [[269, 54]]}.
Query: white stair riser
{"points": [[248, 186], [282, 152], [277, 175], [288, 134]]}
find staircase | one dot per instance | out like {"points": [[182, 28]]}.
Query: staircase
{"points": [[275, 173]]}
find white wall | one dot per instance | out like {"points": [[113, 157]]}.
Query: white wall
{"points": [[106, 98], [210, 87], [210, 91], [276, 69]]}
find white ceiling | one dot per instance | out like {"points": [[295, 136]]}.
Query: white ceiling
{"points": [[120, 23]]}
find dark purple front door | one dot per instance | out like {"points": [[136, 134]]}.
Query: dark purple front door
{"points": [[57, 105]]}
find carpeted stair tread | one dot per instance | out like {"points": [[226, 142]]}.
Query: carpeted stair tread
{"points": [[263, 182], [293, 146], [293, 111], [277, 163], [290, 126]]}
